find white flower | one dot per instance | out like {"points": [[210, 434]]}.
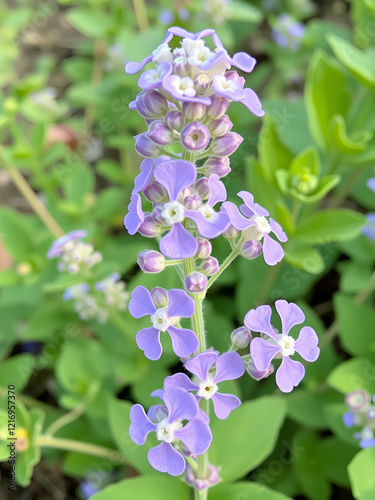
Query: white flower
{"points": [[183, 86], [162, 53]]}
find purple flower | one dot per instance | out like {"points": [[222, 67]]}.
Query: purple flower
{"points": [[369, 229], [168, 425], [228, 366], [371, 184], [195, 137], [233, 90], [135, 216], [281, 345], [287, 32], [59, 246], [164, 319], [257, 227]]}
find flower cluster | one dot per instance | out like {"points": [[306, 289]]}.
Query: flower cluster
{"points": [[287, 32], [361, 414], [91, 301]]}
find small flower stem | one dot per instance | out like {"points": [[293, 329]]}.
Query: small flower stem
{"points": [[40, 210], [96, 77], [45, 441], [141, 14], [65, 419], [224, 265]]}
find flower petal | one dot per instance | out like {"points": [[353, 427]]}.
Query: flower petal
{"points": [[196, 436], [272, 250], [216, 189], [135, 216], [133, 67], [252, 102], [178, 243], [180, 304], [262, 353], [184, 341], [307, 344], [141, 303], [244, 62], [229, 366], [253, 208], [143, 179], [290, 315], [181, 404], [165, 458], [236, 218], [212, 227], [175, 175], [180, 380], [201, 363], [278, 230], [259, 320], [348, 419], [140, 425], [289, 374], [224, 404], [148, 340]]}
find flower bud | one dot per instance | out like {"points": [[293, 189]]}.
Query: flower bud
{"points": [[181, 66], [204, 249], [256, 374], [235, 77], [210, 266], [160, 133], [146, 147], [220, 127], [218, 106], [155, 192], [151, 261], [192, 202], [201, 83], [175, 120], [193, 110], [201, 188], [241, 337], [184, 193], [156, 213], [149, 227], [212, 477], [159, 296], [179, 52], [195, 137], [231, 232], [218, 166], [251, 249], [357, 400], [151, 104], [226, 145], [195, 282], [371, 414]]}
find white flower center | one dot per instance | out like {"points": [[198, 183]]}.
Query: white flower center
{"points": [[165, 431], [224, 84], [162, 53], [173, 212], [160, 320], [207, 211], [199, 55], [189, 45], [287, 345], [262, 226], [207, 388]]}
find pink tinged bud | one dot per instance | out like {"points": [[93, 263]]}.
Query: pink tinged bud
{"points": [[235, 77], [256, 374], [193, 110], [192, 202], [204, 249], [201, 83], [357, 400], [151, 104], [231, 233], [226, 145], [218, 166], [210, 266], [211, 478], [220, 127], [151, 261], [181, 66], [155, 192], [159, 296], [156, 213], [184, 193], [251, 249], [241, 337], [160, 133], [175, 120], [195, 137], [146, 147], [218, 106], [149, 227], [201, 188], [195, 282]]}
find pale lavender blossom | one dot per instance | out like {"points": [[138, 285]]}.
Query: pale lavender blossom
{"points": [[281, 345], [180, 305], [361, 414], [58, 247], [228, 366], [369, 228], [287, 32], [371, 184], [201, 484], [168, 424]]}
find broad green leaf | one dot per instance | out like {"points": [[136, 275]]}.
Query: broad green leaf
{"points": [[244, 12], [306, 408], [29, 458], [304, 257], [239, 448], [272, 152], [361, 474], [355, 324], [91, 23], [46, 320], [343, 143], [325, 96], [79, 183], [354, 374], [153, 487], [244, 491], [308, 160], [15, 234], [16, 371], [334, 413], [335, 456], [330, 225]]}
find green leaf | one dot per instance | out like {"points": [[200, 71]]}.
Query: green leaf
{"points": [[306, 408], [238, 448], [325, 96], [154, 487], [355, 322], [354, 374], [307, 159], [244, 12], [335, 456], [37, 136], [361, 65], [273, 154], [79, 183], [92, 24], [361, 474], [330, 225], [343, 143], [16, 371], [46, 320], [15, 234], [244, 491], [304, 257], [334, 413]]}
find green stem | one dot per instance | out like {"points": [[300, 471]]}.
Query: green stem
{"points": [[268, 283], [141, 14], [224, 265], [78, 446], [96, 77], [65, 419], [296, 211]]}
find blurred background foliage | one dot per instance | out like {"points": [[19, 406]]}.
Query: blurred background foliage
{"points": [[66, 127]]}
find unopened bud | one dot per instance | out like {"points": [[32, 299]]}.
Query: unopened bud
{"points": [[218, 106], [195, 137], [149, 227], [204, 249], [159, 296], [226, 145], [160, 133], [146, 147], [193, 110], [210, 266], [201, 188], [250, 249], [155, 192], [151, 261], [256, 374], [220, 127], [195, 282], [201, 83], [192, 202], [151, 104], [241, 337], [217, 165], [231, 232], [175, 120]]}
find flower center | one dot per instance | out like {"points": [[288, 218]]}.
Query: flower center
{"points": [[165, 431], [207, 211], [207, 388], [160, 319], [173, 212], [287, 345]]}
